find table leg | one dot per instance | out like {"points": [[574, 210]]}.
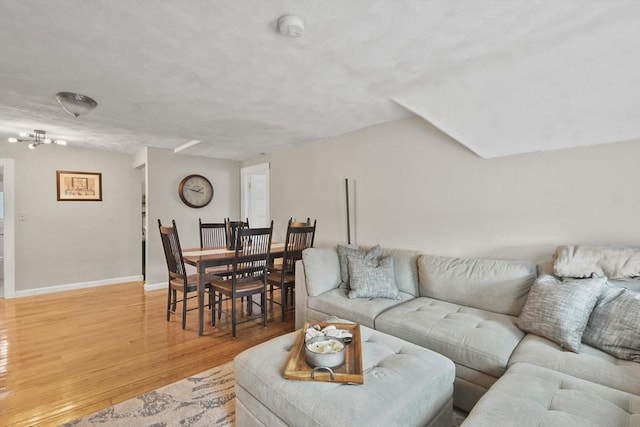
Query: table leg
{"points": [[201, 282]]}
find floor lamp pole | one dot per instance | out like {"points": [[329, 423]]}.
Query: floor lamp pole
{"points": [[346, 186]]}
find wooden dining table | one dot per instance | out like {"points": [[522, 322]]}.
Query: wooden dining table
{"points": [[201, 259]]}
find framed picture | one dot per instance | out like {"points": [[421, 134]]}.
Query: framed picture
{"points": [[79, 186]]}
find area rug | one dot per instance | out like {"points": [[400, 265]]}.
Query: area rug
{"points": [[206, 399]]}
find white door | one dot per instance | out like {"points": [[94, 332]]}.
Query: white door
{"points": [[7, 254], [255, 194]]}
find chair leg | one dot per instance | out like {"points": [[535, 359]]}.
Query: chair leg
{"points": [[219, 305], [212, 301], [168, 305], [263, 300], [283, 297], [174, 301], [184, 310], [233, 317]]}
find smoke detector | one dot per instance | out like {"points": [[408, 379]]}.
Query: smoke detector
{"points": [[291, 25]]}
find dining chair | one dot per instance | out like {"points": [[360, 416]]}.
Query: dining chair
{"points": [[212, 235], [248, 275], [306, 223], [179, 280], [231, 228], [283, 276]]}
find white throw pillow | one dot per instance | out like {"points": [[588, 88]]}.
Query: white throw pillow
{"points": [[559, 310], [372, 279], [372, 254], [614, 325]]}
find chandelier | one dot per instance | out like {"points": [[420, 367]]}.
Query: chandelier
{"points": [[38, 137], [75, 104]]}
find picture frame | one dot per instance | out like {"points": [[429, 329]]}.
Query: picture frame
{"points": [[74, 186]]}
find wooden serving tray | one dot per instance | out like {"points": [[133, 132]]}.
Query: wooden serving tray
{"points": [[350, 372]]}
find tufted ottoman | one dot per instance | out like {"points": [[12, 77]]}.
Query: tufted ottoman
{"points": [[404, 384], [528, 395]]}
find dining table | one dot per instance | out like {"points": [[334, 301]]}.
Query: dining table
{"points": [[202, 258]]}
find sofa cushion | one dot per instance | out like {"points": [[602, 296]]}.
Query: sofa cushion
{"points": [[405, 268], [591, 364], [612, 261], [559, 310], [631, 284], [479, 339], [529, 395], [371, 279], [344, 252], [336, 302], [614, 325], [322, 269], [493, 285]]}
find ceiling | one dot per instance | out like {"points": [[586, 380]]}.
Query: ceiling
{"points": [[499, 77]]}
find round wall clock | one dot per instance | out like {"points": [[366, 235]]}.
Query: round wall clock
{"points": [[195, 191]]}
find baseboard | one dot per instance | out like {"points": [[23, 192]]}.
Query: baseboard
{"points": [[79, 285], [155, 286]]}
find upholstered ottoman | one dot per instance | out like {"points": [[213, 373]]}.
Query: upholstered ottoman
{"points": [[528, 395], [404, 384]]}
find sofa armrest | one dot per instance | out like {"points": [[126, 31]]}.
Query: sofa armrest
{"points": [[316, 273], [301, 295]]}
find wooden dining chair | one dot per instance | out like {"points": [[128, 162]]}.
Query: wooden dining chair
{"points": [[213, 235], [179, 280], [231, 231], [306, 223], [248, 277], [283, 276]]}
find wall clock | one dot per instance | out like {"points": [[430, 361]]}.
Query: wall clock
{"points": [[195, 191]]}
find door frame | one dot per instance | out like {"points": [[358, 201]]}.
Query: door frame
{"points": [[9, 249], [259, 169]]}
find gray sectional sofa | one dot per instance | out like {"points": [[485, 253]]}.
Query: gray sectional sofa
{"points": [[468, 310]]}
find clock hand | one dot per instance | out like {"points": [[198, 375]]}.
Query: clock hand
{"points": [[194, 190]]}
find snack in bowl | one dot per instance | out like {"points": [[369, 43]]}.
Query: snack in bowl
{"points": [[323, 351], [329, 331]]}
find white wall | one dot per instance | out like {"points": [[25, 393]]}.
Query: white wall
{"points": [[165, 170], [62, 244], [416, 188]]}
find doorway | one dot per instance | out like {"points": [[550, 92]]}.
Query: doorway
{"points": [[255, 194], [7, 228]]}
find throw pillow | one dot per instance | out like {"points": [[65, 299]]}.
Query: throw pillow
{"points": [[372, 279], [345, 251], [614, 325], [559, 311]]}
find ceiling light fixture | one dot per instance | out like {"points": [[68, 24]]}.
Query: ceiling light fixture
{"points": [[38, 137], [291, 25], [75, 104]]}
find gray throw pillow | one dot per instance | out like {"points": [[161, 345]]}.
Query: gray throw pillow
{"points": [[559, 310], [614, 325], [372, 279], [372, 254]]}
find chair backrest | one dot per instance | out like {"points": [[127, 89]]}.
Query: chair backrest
{"points": [[293, 223], [172, 250], [253, 247], [231, 231], [213, 235], [298, 239]]}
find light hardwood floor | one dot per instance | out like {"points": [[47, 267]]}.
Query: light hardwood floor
{"points": [[69, 354]]}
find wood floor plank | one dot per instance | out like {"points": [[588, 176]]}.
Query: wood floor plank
{"points": [[69, 354]]}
